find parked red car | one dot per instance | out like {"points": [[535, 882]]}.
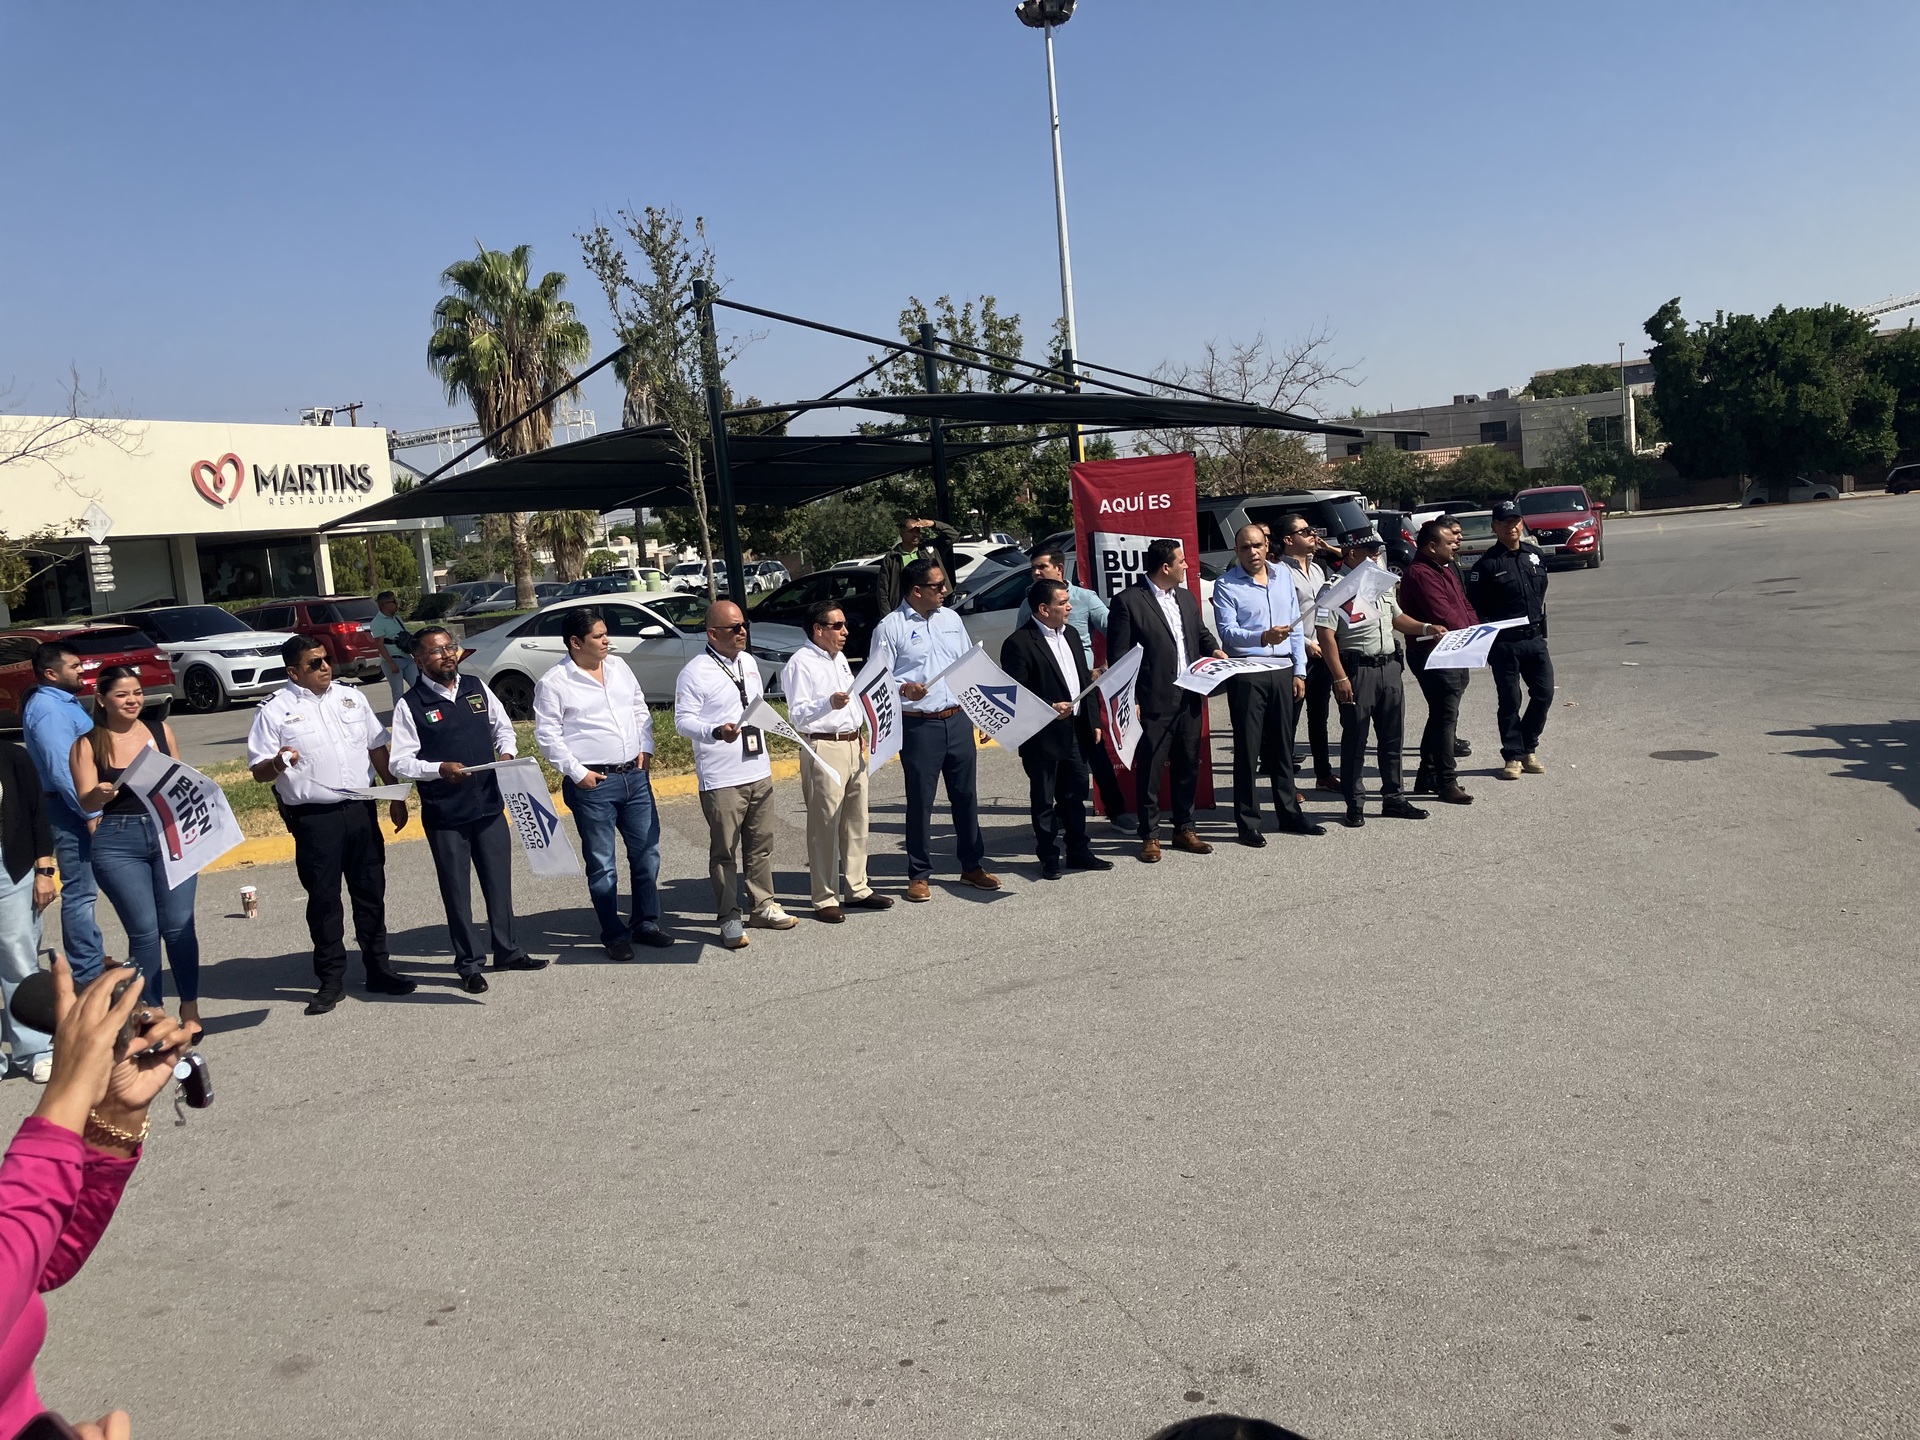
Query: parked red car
{"points": [[342, 623], [1565, 524], [99, 647]]}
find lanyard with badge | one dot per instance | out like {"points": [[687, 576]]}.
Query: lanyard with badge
{"points": [[751, 741]]}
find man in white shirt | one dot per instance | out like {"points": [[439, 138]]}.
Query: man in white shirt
{"points": [[315, 742], [1299, 543], [716, 689], [590, 719], [445, 723], [819, 687]]}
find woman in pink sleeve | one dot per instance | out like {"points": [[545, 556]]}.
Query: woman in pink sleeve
{"points": [[64, 1172]]}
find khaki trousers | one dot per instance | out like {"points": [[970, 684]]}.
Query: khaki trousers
{"points": [[739, 823], [837, 821]]}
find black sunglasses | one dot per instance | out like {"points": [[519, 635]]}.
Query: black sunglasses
{"points": [[831, 624], [729, 629], [321, 664]]}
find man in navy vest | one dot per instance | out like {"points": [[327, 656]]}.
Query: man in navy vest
{"points": [[442, 725]]}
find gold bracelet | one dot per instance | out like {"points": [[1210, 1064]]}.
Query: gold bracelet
{"points": [[113, 1134]]}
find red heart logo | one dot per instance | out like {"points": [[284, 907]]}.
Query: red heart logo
{"points": [[210, 478]]}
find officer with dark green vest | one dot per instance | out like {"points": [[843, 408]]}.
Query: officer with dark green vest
{"points": [[445, 723]]}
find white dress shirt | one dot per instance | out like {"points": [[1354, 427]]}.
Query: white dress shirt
{"points": [[1170, 607], [581, 723], [1063, 657], [811, 679], [706, 698], [406, 763], [333, 732]]}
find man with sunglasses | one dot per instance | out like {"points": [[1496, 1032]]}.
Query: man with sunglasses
{"points": [[924, 637], [314, 740], [445, 723], [1300, 546]]}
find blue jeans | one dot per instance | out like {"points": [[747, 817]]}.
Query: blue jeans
{"points": [[79, 931], [19, 958], [130, 868], [623, 803], [408, 677]]}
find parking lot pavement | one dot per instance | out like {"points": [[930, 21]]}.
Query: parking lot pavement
{"points": [[1587, 1110]]}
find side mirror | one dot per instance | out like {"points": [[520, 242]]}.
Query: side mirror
{"points": [[961, 600], [654, 632]]}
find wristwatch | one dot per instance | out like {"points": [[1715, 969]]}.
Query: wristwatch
{"points": [[46, 870]]}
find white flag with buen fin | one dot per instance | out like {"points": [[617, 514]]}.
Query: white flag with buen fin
{"points": [[1000, 707], [765, 717], [190, 813], [1365, 582], [1119, 715], [531, 812], [879, 696], [1208, 674]]}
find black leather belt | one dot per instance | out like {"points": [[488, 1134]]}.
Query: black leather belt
{"points": [[843, 735], [1352, 659], [933, 714], [624, 767]]}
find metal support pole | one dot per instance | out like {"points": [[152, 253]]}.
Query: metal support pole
{"points": [[1075, 449], [930, 373], [722, 469]]}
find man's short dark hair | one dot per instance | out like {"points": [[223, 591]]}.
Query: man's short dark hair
{"points": [[918, 572], [1044, 592], [1160, 555], [384, 596], [819, 614], [1054, 555], [294, 648], [420, 635], [578, 623], [48, 657], [1431, 532]]}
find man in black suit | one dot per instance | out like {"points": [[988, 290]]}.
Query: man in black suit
{"points": [[1046, 657], [1161, 616]]}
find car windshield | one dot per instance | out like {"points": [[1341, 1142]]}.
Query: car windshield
{"points": [[1475, 527], [196, 622], [115, 641], [1553, 502]]}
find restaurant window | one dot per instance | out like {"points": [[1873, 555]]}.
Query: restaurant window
{"points": [[256, 569]]}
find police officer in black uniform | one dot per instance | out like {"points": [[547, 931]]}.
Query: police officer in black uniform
{"points": [[1509, 581], [445, 723]]}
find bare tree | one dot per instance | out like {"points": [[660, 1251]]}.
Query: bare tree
{"points": [[34, 450], [1290, 378]]}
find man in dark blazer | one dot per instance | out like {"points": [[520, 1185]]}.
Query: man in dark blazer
{"points": [[1047, 658], [1161, 616]]}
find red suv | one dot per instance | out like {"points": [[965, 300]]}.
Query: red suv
{"points": [[99, 647], [342, 623], [1565, 524]]}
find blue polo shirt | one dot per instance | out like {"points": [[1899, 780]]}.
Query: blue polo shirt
{"points": [[923, 647], [53, 720]]}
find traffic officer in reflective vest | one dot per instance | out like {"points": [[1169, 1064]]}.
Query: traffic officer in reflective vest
{"points": [[1357, 641], [442, 725], [1509, 581]]}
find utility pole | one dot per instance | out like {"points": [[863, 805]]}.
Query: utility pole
{"points": [[722, 466], [1044, 15]]}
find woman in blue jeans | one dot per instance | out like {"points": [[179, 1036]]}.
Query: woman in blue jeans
{"points": [[127, 860]]}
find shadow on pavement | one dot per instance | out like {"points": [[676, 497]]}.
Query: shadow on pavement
{"points": [[1881, 752]]}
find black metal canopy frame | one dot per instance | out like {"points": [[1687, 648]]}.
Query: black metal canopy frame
{"points": [[643, 466]]}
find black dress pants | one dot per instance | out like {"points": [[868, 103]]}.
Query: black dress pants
{"points": [[1378, 701], [1167, 741], [1057, 794], [1517, 662], [1319, 697], [332, 843], [485, 847], [1261, 709], [1444, 690]]}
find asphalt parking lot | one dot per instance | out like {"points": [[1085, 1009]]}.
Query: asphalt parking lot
{"points": [[1586, 1111]]}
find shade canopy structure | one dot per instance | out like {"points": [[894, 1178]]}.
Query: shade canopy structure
{"points": [[1092, 410]]}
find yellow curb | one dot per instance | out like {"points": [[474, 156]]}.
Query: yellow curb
{"points": [[278, 849]]}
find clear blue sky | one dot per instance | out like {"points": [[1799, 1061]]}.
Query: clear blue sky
{"points": [[229, 212]]}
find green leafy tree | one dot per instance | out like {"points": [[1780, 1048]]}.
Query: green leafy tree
{"points": [[1898, 364], [566, 535], [1603, 468], [1482, 472], [501, 342], [599, 562], [399, 568], [1573, 380], [1395, 478], [1794, 392]]}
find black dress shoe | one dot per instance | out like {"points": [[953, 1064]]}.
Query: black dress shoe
{"points": [[521, 962], [1050, 870], [1252, 839], [1353, 819], [1301, 827], [1453, 795], [621, 951], [654, 937], [1400, 810], [474, 984], [1422, 784], [390, 984], [323, 1002], [1461, 749], [1088, 861]]}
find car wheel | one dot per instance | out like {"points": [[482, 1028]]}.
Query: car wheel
{"points": [[516, 693], [202, 692]]}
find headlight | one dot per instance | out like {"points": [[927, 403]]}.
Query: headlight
{"points": [[1586, 524]]}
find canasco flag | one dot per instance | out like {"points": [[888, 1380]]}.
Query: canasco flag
{"points": [[998, 705], [190, 814]]}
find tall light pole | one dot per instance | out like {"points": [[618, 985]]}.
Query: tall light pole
{"points": [[1043, 15]]}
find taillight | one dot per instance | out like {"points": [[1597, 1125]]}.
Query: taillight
{"points": [[464, 654], [344, 627]]}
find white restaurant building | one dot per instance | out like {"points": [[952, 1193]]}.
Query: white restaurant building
{"points": [[196, 512]]}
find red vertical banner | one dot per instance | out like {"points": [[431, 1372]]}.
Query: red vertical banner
{"points": [[1120, 507]]}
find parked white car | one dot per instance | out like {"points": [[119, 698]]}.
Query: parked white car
{"points": [[511, 658], [216, 657], [691, 575], [1801, 489]]}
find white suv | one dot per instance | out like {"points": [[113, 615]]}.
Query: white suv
{"points": [[217, 658]]}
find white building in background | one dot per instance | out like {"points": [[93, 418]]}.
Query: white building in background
{"points": [[197, 511]]}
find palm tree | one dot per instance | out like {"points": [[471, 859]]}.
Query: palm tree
{"points": [[501, 344], [568, 534]]}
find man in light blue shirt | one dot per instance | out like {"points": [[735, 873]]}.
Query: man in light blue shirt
{"points": [[1256, 611], [53, 718], [924, 637], [1089, 615]]}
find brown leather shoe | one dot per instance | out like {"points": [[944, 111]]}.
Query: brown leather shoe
{"points": [[1150, 851], [832, 914], [980, 879], [872, 900], [1453, 795], [1189, 842], [919, 892]]}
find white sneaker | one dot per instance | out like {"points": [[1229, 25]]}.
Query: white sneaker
{"points": [[772, 917], [733, 934], [41, 1070]]}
